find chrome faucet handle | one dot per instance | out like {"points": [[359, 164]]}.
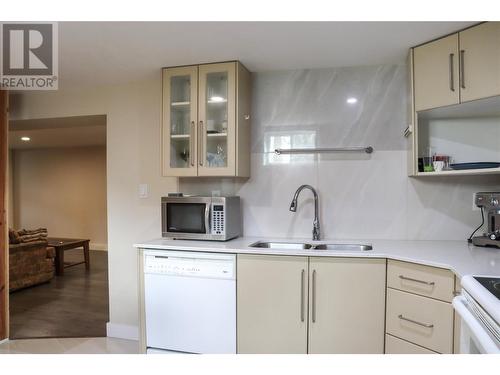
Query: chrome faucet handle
{"points": [[316, 233]]}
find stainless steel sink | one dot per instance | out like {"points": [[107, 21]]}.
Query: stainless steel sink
{"points": [[308, 246], [282, 245], [343, 247]]}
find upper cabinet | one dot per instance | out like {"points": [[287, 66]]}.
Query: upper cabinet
{"points": [[458, 68], [454, 110], [436, 73], [180, 116], [206, 120], [480, 61]]}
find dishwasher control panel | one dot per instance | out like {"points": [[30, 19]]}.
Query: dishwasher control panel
{"points": [[187, 266]]}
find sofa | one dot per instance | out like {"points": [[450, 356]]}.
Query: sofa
{"points": [[30, 263]]}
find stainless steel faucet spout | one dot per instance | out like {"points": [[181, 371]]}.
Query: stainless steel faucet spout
{"points": [[316, 232]]}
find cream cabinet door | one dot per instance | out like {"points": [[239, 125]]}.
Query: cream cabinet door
{"points": [[421, 320], [271, 304], [180, 114], [217, 120], [480, 61], [346, 305], [436, 73], [394, 345]]}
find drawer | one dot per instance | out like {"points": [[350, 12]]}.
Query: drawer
{"points": [[394, 345], [423, 321], [423, 280]]}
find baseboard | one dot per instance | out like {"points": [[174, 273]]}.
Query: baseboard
{"points": [[99, 246], [122, 331]]}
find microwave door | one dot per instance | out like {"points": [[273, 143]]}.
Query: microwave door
{"points": [[188, 217]]}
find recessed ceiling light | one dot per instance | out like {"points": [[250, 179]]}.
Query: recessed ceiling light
{"points": [[352, 100], [25, 139]]}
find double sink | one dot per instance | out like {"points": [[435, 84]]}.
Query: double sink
{"points": [[309, 246]]}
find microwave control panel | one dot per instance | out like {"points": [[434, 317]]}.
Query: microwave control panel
{"points": [[218, 226]]}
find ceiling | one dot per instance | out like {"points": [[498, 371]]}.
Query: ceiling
{"points": [[78, 131], [102, 53]]}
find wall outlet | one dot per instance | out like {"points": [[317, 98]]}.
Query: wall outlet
{"points": [[143, 191], [474, 207]]}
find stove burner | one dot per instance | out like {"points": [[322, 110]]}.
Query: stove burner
{"points": [[496, 284], [492, 284]]}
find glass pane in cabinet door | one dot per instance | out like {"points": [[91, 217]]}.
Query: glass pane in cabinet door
{"points": [[216, 120], [180, 110]]}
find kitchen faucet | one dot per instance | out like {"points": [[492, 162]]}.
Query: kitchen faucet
{"points": [[293, 207]]}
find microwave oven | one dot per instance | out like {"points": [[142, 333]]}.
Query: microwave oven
{"points": [[201, 218]]}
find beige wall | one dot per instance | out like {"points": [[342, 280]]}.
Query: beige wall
{"points": [[133, 157], [63, 190]]}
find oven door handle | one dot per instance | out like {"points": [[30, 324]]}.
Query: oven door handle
{"points": [[480, 336], [207, 217]]}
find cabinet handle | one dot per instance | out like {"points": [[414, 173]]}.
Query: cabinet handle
{"points": [[426, 325], [191, 145], [200, 144], [462, 69], [416, 280], [314, 297], [452, 84], [207, 217], [302, 295]]}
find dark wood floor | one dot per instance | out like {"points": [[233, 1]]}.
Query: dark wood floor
{"points": [[73, 305]]}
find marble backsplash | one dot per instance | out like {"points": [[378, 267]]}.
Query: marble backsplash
{"points": [[361, 196]]}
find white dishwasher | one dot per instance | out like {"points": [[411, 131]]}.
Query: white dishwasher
{"points": [[190, 301]]}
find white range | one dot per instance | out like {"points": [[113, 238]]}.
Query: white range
{"points": [[479, 308]]}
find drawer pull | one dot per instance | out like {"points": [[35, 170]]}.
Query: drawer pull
{"points": [[416, 280], [400, 316]]}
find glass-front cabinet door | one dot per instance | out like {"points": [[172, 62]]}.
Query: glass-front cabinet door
{"points": [[216, 119], [180, 110]]}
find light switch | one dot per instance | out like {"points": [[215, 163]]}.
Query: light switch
{"points": [[143, 190]]}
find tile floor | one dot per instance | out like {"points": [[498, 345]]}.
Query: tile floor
{"points": [[94, 345]]}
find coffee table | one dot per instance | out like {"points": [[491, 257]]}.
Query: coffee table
{"points": [[63, 244]]}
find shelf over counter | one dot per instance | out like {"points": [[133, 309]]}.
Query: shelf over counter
{"points": [[463, 134], [463, 172], [489, 107]]}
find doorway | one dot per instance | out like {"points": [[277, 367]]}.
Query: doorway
{"points": [[57, 194]]}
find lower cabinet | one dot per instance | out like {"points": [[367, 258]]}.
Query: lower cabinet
{"points": [[346, 305], [419, 310], [420, 320], [394, 345], [271, 304], [288, 304]]}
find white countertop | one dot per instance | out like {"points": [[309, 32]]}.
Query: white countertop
{"points": [[458, 256]]}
